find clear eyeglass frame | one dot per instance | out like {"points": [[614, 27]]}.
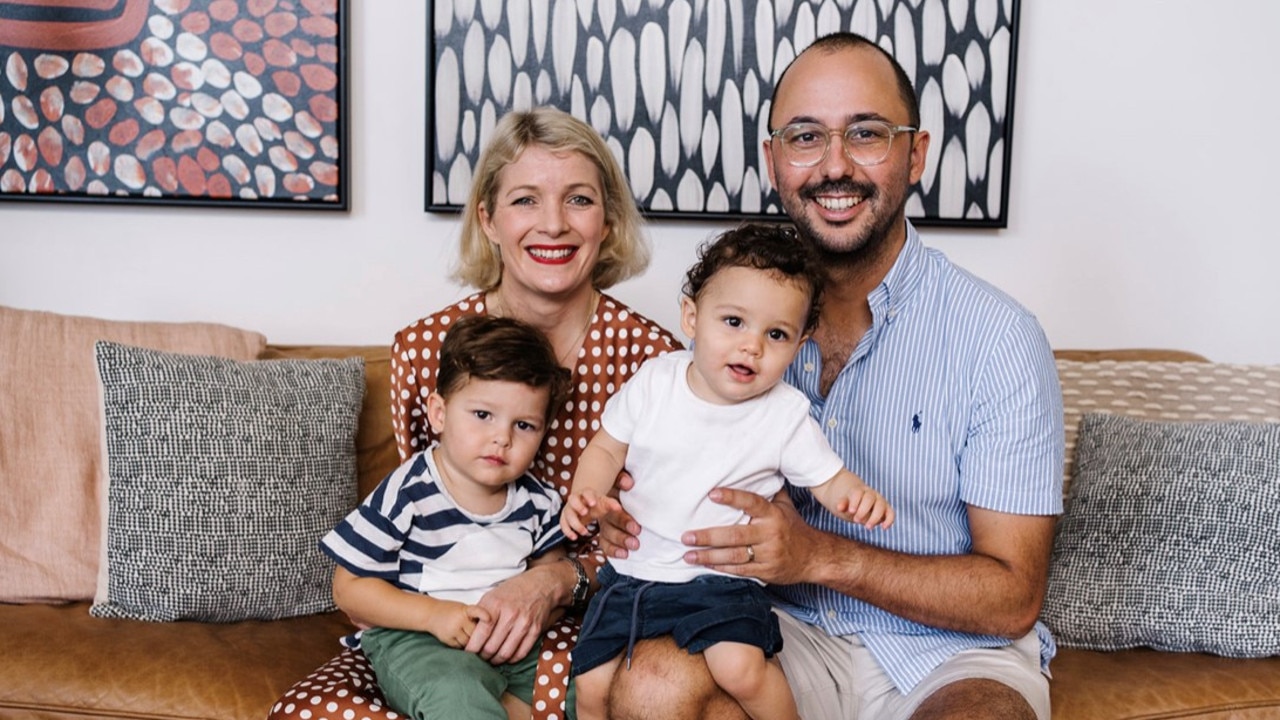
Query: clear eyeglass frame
{"points": [[863, 151]]}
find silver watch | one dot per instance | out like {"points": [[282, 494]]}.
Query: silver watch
{"points": [[581, 586]]}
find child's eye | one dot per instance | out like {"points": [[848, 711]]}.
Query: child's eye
{"points": [[779, 335], [526, 426], [482, 414], [733, 321]]}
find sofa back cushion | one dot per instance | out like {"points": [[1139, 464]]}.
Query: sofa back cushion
{"points": [[376, 454], [1164, 390], [50, 441]]}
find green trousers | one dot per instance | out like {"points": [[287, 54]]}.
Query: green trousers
{"points": [[428, 680]]}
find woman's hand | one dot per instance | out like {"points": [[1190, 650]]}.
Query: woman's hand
{"points": [[776, 545], [519, 610]]}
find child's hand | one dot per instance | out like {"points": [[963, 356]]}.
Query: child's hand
{"points": [[583, 508], [868, 508], [452, 622]]}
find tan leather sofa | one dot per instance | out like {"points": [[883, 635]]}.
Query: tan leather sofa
{"points": [[59, 662]]}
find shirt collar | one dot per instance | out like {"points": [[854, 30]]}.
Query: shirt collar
{"points": [[900, 283]]}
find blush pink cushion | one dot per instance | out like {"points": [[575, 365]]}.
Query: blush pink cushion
{"points": [[51, 460]]}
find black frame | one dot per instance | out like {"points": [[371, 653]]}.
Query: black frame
{"points": [[154, 82], [452, 40]]}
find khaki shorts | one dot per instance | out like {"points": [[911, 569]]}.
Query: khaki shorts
{"points": [[835, 678]]}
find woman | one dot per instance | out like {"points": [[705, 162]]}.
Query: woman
{"points": [[549, 225]]}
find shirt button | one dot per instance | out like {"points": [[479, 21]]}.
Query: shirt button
{"points": [[808, 367], [831, 614], [831, 423]]}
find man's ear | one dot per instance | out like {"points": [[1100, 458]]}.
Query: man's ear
{"points": [[688, 316], [919, 155], [766, 151], [435, 412]]}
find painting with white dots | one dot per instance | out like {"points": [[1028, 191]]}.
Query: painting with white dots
{"points": [[238, 103], [680, 90]]}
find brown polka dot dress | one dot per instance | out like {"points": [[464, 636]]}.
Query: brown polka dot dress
{"points": [[617, 342]]}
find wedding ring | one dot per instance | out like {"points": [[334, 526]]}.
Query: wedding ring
{"points": [[751, 554]]}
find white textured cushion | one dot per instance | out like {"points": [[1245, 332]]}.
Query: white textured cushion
{"points": [[1171, 539], [1166, 391], [224, 476], [51, 438]]}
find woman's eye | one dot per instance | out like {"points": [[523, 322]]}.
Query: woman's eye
{"points": [[581, 200]]}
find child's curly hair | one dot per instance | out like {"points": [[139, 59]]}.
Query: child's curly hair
{"points": [[773, 247]]}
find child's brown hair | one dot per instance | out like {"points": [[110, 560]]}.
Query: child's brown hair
{"points": [[482, 347]]}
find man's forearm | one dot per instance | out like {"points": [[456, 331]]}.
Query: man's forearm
{"points": [[974, 592]]}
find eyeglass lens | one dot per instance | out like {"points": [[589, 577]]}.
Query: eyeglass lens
{"points": [[866, 143]]}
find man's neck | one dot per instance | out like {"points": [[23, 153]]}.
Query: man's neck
{"points": [[846, 312]]}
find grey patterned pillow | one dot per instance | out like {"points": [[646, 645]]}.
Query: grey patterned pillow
{"points": [[1170, 539], [222, 478]]}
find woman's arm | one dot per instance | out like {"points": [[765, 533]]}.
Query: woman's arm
{"points": [[521, 608]]}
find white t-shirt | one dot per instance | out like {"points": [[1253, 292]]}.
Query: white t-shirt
{"points": [[681, 446]]}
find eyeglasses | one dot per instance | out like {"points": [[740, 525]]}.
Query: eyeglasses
{"points": [[805, 144]]}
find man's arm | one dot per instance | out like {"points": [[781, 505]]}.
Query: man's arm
{"points": [[995, 589]]}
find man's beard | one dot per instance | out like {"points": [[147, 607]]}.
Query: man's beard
{"points": [[842, 250]]}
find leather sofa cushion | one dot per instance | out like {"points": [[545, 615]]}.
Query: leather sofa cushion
{"points": [[1152, 685], [60, 662]]}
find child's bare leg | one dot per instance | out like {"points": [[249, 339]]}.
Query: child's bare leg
{"points": [[758, 684], [593, 690]]}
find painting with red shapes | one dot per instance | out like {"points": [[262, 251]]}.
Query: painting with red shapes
{"points": [[238, 103]]}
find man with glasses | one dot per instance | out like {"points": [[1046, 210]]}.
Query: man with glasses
{"points": [[935, 387]]}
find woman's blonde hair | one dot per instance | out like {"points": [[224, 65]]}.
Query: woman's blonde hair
{"points": [[624, 252]]}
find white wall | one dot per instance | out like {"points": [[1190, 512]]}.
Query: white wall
{"points": [[1142, 208]]}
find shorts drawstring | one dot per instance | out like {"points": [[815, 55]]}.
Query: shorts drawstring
{"points": [[597, 608], [635, 620]]}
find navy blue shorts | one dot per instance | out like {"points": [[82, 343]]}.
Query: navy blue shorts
{"points": [[696, 614]]}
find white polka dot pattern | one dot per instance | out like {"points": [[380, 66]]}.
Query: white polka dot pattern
{"points": [[1178, 391], [619, 338]]}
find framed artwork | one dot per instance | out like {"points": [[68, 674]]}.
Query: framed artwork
{"points": [[680, 89], [239, 103]]}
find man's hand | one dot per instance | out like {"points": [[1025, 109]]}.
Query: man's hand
{"points": [[619, 532], [453, 623], [776, 545]]}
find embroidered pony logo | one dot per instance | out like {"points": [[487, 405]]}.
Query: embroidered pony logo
{"points": [[915, 423]]}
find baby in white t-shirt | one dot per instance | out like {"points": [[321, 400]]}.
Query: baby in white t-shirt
{"points": [[689, 422]]}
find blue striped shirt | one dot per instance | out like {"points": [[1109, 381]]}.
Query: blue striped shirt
{"points": [[950, 399]]}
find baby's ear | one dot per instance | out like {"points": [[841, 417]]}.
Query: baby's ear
{"points": [[688, 315]]}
